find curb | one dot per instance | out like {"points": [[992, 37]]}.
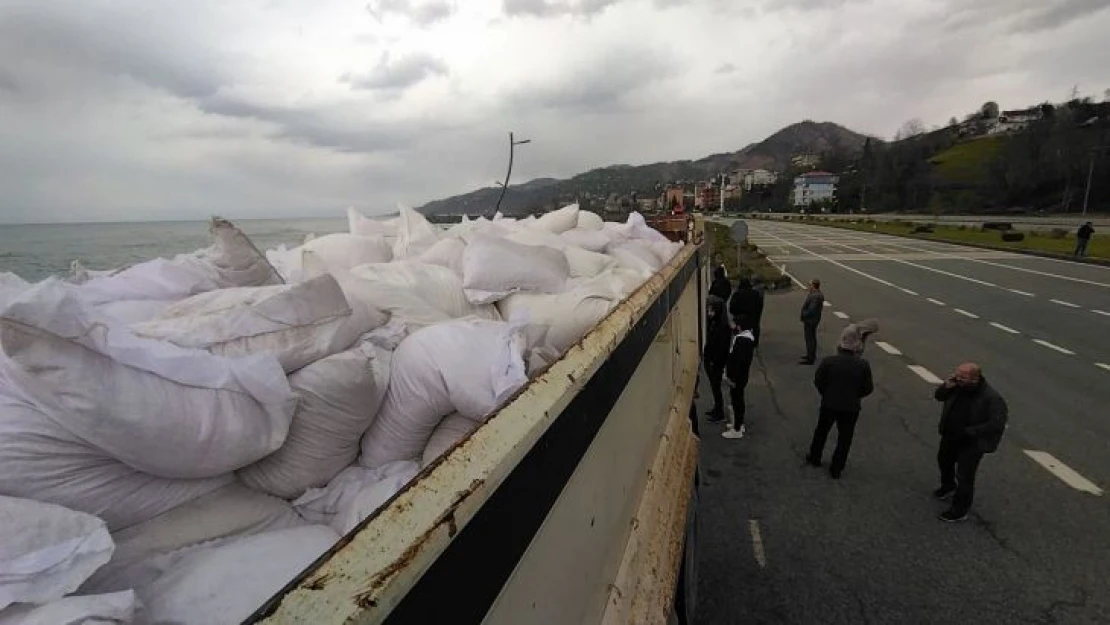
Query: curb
{"points": [[1099, 262]]}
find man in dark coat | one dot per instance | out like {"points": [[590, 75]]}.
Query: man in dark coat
{"points": [[842, 380], [718, 336], [1083, 238], [720, 286], [737, 369], [812, 309], [971, 424], [746, 308]]}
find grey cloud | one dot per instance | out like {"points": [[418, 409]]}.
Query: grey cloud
{"points": [[555, 8], [1050, 16], [602, 86], [1021, 16], [8, 82], [422, 14], [398, 75], [725, 68]]}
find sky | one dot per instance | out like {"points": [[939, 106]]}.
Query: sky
{"points": [[131, 110]]}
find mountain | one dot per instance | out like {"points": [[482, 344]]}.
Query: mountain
{"points": [[772, 153]]}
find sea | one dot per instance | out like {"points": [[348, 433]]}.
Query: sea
{"points": [[37, 251]]}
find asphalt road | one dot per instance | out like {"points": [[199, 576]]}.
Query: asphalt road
{"points": [[1020, 222], [781, 542]]}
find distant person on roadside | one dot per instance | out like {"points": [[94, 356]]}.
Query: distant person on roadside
{"points": [[843, 380], [720, 286], [746, 307], [718, 337], [736, 371], [864, 330], [811, 318], [1083, 238], [971, 424]]}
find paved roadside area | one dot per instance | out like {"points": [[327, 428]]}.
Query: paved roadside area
{"points": [[781, 542]]}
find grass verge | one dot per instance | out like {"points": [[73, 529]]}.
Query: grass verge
{"points": [[743, 260]]}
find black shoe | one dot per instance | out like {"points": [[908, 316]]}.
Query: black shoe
{"points": [[805, 361], [944, 492], [834, 474], [952, 515], [715, 418], [710, 413], [813, 462]]}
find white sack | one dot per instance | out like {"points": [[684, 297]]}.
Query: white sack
{"points": [[470, 366], [228, 582], [158, 408], [342, 252], [493, 268], [386, 228], [47, 551], [438, 286], [297, 324], [355, 494], [589, 221], [415, 234], [452, 429], [559, 221], [592, 240], [118, 608], [11, 286], [666, 250], [337, 399], [447, 252], [537, 236], [569, 315], [585, 264], [135, 311], [635, 255], [287, 262], [147, 550], [635, 229]]}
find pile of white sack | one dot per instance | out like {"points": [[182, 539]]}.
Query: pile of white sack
{"points": [[180, 438]]}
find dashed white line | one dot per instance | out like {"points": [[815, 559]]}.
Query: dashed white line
{"points": [[1004, 328], [1100, 312], [827, 304], [841, 314], [1102, 365], [909, 292], [1063, 303], [757, 543], [935, 301], [1044, 343], [888, 348], [1026, 294], [1065, 473], [925, 374], [966, 314]]}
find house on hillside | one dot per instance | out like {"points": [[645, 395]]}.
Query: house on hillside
{"points": [[758, 178], [814, 186], [1013, 121], [802, 161]]}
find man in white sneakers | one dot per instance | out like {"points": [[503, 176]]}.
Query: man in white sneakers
{"points": [[736, 370]]}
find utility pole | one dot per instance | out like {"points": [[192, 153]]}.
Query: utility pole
{"points": [[1090, 173], [722, 209], [508, 174]]}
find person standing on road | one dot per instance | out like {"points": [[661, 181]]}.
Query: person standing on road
{"points": [[746, 307], [718, 336], [971, 424], [864, 330], [842, 380], [1083, 239], [720, 286], [736, 370], [811, 317]]}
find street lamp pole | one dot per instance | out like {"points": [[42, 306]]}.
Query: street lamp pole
{"points": [[508, 174]]}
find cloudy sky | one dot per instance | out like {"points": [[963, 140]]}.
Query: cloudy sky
{"points": [[150, 110]]}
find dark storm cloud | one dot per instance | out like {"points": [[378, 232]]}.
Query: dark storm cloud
{"points": [[399, 74], [555, 8], [421, 13]]}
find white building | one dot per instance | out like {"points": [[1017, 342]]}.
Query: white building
{"points": [[814, 186], [758, 178]]}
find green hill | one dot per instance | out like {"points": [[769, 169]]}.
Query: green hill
{"points": [[965, 164]]}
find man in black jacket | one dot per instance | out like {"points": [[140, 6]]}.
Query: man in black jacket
{"points": [[739, 365], [811, 317], [843, 380], [718, 337], [746, 308], [971, 424], [1083, 238], [720, 286]]}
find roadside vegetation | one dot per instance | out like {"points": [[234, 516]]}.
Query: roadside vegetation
{"points": [[743, 260]]}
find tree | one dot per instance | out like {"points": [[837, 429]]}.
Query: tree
{"points": [[911, 128], [989, 110], [952, 121]]}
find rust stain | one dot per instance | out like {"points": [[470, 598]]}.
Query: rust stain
{"points": [[318, 582]]}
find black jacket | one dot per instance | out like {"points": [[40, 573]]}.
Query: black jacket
{"points": [[720, 287], [746, 307], [718, 334], [813, 307], [1085, 232], [843, 380], [740, 358], [987, 418]]}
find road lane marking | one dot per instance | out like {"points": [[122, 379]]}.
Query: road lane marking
{"points": [[888, 348], [966, 314], [935, 301], [828, 260], [1026, 294], [925, 374], [1044, 343], [841, 315], [1100, 312], [1102, 365], [827, 304], [927, 268], [1063, 303], [1004, 328], [909, 292], [1065, 473], [757, 543]]}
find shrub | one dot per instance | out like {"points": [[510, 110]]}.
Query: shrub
{"points": [[1011, 236], [925, 229], [997, 225], [1058, 233]]}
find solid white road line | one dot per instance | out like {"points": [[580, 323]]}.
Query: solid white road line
{"points": [[827, 304], [1043, 343], [1102, 365], [1100, 312], [1066, 474], [925, 374], [909, 292], [827, 259], [1026, 294], [841, 315], [888, 348], [966, 314], [1004, 328], [1063, 303], [935, 301], [757, 543]]}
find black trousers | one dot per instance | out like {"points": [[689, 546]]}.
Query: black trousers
{"points": [[811, 340], [715, 371], [845, 429], [1081, 247], [736, 394], [958, 460]]}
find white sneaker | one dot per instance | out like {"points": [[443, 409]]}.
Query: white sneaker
{"points": [[731, 433]]}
